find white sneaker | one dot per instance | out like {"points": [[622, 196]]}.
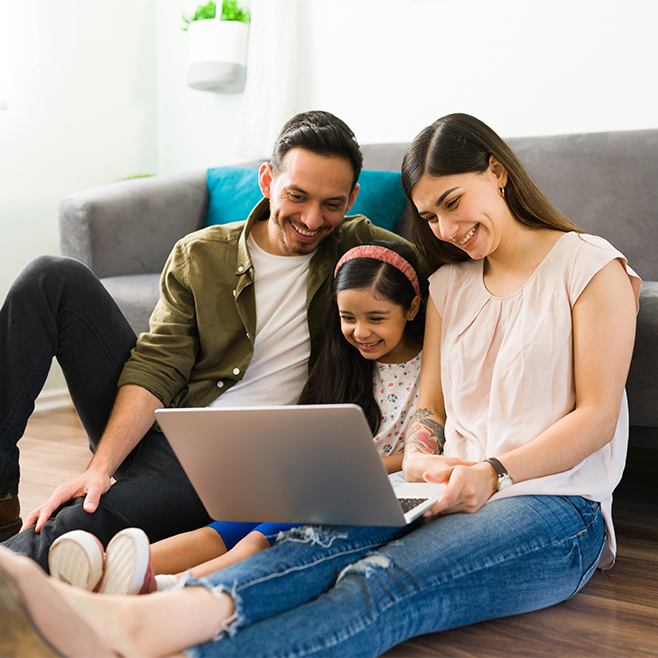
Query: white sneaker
{"points": [[128, 564], [76, 558]]}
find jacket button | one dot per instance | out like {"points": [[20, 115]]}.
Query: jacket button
{"points": [[240, 268], [234, 293], [236, 371], [220, 384]]}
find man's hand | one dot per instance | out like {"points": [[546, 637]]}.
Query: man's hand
{"points": [[132, 416], [92, 484]]}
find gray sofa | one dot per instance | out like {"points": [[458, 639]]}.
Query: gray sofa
{"points": [[606, 182]]}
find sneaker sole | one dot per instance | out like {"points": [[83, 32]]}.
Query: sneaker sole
{"points": [[126, 562], [76, 558]]}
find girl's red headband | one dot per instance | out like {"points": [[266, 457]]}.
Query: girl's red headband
{"points": [[385, 255]]}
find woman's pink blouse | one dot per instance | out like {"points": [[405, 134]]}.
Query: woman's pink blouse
{"points": [[507, 367]]}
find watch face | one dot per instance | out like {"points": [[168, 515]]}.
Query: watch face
{"points": [[504, 481]]}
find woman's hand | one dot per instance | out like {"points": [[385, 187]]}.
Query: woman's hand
{"points": [[469, 486], [418, 464]]}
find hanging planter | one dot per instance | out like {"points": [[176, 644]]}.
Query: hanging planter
{"points": [[218, 48]]}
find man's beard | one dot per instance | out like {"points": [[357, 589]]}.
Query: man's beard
{"points": [[299, 249]]}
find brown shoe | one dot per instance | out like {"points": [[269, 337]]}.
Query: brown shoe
{"points": [[10, 517]]}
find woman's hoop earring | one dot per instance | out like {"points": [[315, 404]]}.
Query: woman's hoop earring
{"points": [[502, 191]]}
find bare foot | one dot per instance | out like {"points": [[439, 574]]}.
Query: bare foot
{"points": [[160, 624], [109, 616], [40, 616], [35, 620]]}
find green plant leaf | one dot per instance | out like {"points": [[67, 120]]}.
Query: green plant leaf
{"points": [[133, 176], [231, 11], [209, 10]]}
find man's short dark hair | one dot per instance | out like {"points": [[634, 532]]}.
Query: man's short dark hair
{"points": [[321, 133]]}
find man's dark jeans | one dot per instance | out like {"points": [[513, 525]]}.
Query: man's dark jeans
{"points": [[58, 308]]}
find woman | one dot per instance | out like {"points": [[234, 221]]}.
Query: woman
{"points": [[522, 413]]}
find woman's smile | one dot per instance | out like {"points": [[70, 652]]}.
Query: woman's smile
{"points": [[468, 236], [465, 210]]}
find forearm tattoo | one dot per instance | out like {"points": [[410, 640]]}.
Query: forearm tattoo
{"points": [[425, 434]]}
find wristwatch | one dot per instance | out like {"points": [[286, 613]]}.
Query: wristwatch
{"points": [[504, 478]]}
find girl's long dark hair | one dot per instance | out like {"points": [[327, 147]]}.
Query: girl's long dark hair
{"points": [[341, 374], [461, 144]]}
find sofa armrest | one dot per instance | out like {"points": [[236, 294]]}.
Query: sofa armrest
{"points": [[130, 227], [642, 383]]}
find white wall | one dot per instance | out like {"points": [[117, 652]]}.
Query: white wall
{"points": [[85, 115], [197, 129], [390, 67]]}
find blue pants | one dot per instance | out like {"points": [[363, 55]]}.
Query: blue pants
{"points": [[232, 532], [58, 308], [329, 591]]}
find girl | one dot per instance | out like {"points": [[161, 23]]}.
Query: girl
{"points": [[372, 354], [375, 320], [528, 341]]}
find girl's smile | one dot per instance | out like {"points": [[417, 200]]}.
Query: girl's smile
{"points": [[376, 327]]}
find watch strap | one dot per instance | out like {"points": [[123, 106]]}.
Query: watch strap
{"points": [[498, 467], [504, 478]]}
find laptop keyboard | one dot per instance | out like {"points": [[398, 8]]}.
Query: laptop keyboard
{"points": [[409, 503]]}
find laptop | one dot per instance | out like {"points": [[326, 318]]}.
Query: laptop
{"points": [[291, 464]]}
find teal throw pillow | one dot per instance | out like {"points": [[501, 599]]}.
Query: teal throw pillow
{"points": [[233, 192], [381, 198]]}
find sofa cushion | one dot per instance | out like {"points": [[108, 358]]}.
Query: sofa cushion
{"points": [[234, 191], [606, 183], [136, 296]]}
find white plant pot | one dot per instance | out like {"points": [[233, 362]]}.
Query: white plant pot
{"points": [[217, 55]]}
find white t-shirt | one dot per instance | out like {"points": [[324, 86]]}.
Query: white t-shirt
{"points": [[396, 392], [507, 367], [279, 367]]}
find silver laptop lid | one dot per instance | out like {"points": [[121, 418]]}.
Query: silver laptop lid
{"points": [[296, 464]]}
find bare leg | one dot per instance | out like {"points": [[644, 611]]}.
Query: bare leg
{"points": [[162, 624], [158, 625], [181, 552], [253, 543]]}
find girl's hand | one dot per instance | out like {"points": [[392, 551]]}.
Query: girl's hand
{"points": [[469, 486]]}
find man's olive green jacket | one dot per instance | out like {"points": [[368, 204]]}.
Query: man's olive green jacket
{"points": [[202, 330]]}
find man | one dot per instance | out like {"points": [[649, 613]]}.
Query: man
{"points": [[238, 322]]}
